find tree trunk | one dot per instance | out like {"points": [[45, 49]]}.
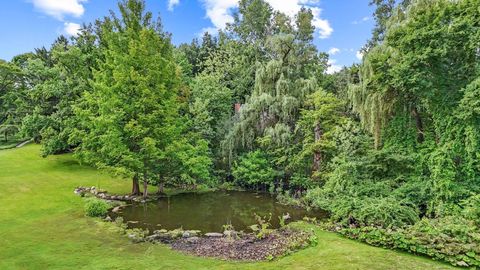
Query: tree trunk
{"points": [[161, 188], [135, 186], [6, 136], [377, 140], [317, 155], [419, 125], [145, 186], [161, 185]]}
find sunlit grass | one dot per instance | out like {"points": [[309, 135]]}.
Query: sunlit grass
{"points": [[42, 226]]}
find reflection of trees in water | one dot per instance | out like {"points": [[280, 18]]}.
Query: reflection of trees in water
{"points": [[208, 211], [246, 205]]}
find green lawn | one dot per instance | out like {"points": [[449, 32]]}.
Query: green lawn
{"points": [[42, 226]]}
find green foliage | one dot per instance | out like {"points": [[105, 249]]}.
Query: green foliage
{"points": [[366, 190], [253, 169], [415, 81], [316, 125], [391, 145], [261, 228], [452, 239], [282, 219], [211, 109], [10, 99], [287, 199], [131, 115], [191, 161], [471, 209], [96, 207]]}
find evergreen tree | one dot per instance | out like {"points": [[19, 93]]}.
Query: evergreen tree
{"points": [[129, 117]]}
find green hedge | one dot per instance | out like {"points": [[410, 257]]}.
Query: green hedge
{"points": [[451, 239]]}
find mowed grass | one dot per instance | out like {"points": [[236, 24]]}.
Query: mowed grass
{"points": [[42, 226]]}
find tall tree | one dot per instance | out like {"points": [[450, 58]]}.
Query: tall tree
{"points": [[411, 85], [129, 117], [10, 98]]}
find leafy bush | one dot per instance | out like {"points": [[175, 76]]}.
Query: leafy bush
{"points": [[364, 191], [136, 235], [452, 239], [254, 169], [471, 209], [286, 199], [261, 229], [385, 212], [96, 208], [364, 211]]}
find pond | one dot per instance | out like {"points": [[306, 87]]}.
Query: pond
{"points": [[209, 211]]}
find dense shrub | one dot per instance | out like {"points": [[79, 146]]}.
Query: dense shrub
{"points": [[356, 193], [453, 239], [386, 212], [96, 207], [471, 209], [254, 170]]}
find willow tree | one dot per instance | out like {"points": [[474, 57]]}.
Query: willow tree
{"points": [[414, 87], [374, 99], [129, 116], [268, 118]]}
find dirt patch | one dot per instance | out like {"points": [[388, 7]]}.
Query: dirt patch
{"points": [[248, 247]]}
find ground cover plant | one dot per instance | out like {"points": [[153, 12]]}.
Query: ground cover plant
{"points": [[389, 147]]}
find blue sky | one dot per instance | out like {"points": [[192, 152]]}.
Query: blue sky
{"points": [[342, 26]]}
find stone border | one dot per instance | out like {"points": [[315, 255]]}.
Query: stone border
{"points": [[229, 245], [102, 194]]}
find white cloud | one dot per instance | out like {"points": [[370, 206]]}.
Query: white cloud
{"points": [[172, 4], [323, 26], [60, 8], [333, 51], [219, 12], [359, 55], [71, 29], [211, 30], [333, 66], [364, 19]]}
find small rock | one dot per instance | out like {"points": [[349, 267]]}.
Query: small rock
{"points": [[230, 233], [214, 234], [193, 239], [108, 219], [116, 209], [162, 231], [152, 238], [186, 234], [194, 232], [135, 238]]}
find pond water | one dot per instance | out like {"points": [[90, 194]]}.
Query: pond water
{"points": [[209, 211]]}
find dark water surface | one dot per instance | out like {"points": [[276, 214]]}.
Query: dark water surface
{"points": [[209, 211]]}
